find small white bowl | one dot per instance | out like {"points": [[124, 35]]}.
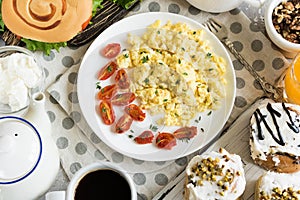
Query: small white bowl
{"points": [[218, 6], [290, 49], [5, 109]]}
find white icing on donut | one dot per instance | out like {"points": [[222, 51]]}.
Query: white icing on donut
{"points": [[272, 180], [275, 129], [202, 189]]}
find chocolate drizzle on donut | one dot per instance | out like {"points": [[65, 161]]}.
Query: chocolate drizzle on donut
{"points": [[291, 124], [41, 18], [260, 118]]}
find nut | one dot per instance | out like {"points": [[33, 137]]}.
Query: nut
{"points": [[286, 20]]}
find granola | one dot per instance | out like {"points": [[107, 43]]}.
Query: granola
{"points": [[286, 20]]}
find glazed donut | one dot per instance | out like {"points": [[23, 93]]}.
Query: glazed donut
{"points": [[46, 21], [275, 137], [273, 185], [214, 175]]}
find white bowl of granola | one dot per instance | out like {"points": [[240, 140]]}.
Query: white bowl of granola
{"points": [[282, 25]]}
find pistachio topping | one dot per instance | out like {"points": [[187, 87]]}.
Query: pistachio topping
{"points": [[280, 194], [212, 170], [215, 176]]}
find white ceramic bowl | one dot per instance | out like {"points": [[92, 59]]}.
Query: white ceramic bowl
{"points": [[218, 6], [289, 49], [215, 6], [5, 51]]}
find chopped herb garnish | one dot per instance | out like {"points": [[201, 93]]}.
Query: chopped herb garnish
{"points": [[145, 59], [185, 73], [185, 139], [104, 110], [153, 128], [131, 131], [158, 32], [165, 100], [143, 52], [209, 55], [109, 68], [156, 92], [179, 61], [209, 113], [176, 115], [177, 82], [179, 32], [98, 86], [159, 51], [130, 136], [198, 120], [160, 63], [202, 129], [146, 80], [194, 32], [210, 69], [193, 56], [182, 48], [126, 55]]}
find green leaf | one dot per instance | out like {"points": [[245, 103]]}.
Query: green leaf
{"points": [[96, 5], [124, 3], [1, 24], [1, 21], [43, 46]]}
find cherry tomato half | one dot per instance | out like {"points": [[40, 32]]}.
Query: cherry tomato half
{"points": [[185, 132], [135, 112], [145, 137], [107, 92], [111, 50], [108, 70], [123, 99], [165, 141], [122, 79], [106, 112], [123, 124]]}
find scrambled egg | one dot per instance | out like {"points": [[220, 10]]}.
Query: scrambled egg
{"points": [[174, 72]]}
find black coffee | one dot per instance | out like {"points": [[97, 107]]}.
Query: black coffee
{"points": [[103, 184]]}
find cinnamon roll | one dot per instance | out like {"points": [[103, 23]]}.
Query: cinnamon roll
{"points": [[46, 21]]}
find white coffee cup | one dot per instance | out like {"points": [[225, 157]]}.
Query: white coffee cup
{"points": [[97, 174]]}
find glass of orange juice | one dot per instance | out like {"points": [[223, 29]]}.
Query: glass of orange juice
{"points": [[292, 81]]}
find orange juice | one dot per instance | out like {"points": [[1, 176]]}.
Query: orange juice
{"points": [[292, 81]]}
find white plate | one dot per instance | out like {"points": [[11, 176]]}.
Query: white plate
{"points": [[86, 86]]}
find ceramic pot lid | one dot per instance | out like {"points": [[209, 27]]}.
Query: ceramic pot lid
{"points": [[20, 149]]}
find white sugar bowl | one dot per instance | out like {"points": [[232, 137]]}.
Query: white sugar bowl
{"points": [[28, 155]]}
